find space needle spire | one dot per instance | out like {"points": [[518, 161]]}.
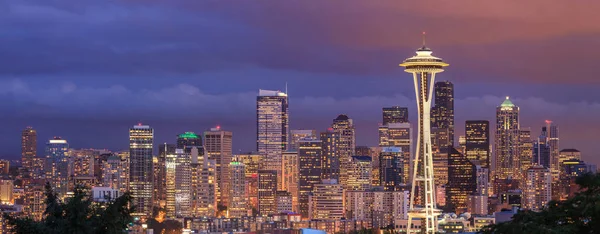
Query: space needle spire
{"points": [[423, 67]]}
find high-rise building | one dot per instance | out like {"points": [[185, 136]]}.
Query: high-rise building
{"points": [[267, 189], [28, 150], [141, 178], [218, 146], [344, 127], [238, 203], [330, 156], [477, 203], [327, 201], [179, 184], [462, 181], [443, 110], [203, 179], [290, 176], [188, 140], [391, 165], [58, 165], [477, 141], [424, 67], [526, 146], [309, 171], [34, 204], [380, 207], [567, 154], [506, 147], [359, 173], [395, 114], [6, 192], [399, 135], [113, 173], [299, 134], [160, 180], [272, 128], [440, 142], [283, 202], [553, 140], [541, 150], [538, 188], [251, 161]]}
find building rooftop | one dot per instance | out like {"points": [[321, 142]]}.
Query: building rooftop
{"points": [[342, 117], [570, 150], [507, 103], [188, 135], [262, 93]]}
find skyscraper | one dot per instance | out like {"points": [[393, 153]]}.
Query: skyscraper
{"points": [[359, 173], [538, 188], [187, 140], [272, 128], [298, 134], [525, 151], [391, 165], [204, 201], [327, 201], [238, 203], [141, 140], [267, 189], [160, 176], [424, 67], [462, 181], [395, 114], [477, 145], [179, 184], [507, 160], [330, 155], [553, 144], [57, 165], [541, 149], [399, 135], [218, 146], [443, 111], [290, 176], [309, 171], [113, 173], [28, 150], [344, 127]]}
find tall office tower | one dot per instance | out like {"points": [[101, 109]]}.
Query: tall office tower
{"points": [[290, 176], [267, 188], [391, 164], [4, 166], [161, 172], [507, 160], [113, 171], [57, 165], [477, 203], [541, 150], [141, 178], [188, 140], [299, 134], [439, 150], [567, 154], [359, 173], [567, 186], [251, 160], [399, 135], [283, 202], [346, 144], [238, 203], [378, 206], [272, 128], [218, 146], [477, 141], [424, 67], [330, 156], [34, 204], [309, 171], [395, 114], [179, 184], [525, 151], [538, 188], [28, 150], [443, 110], [327, 201], [204, 175], [82, 161], [553, 140], [6, 192], [462, 181]]}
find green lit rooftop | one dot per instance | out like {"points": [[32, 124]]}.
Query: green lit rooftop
{"points": [[188, 135], [507, 103]]}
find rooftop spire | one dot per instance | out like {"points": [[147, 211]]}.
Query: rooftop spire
{"points": [[423, 38]]}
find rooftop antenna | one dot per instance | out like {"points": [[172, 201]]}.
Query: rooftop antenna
{"points": [[424, 38], [286, 92]]}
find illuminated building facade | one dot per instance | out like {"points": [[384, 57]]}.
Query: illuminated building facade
{"points": [[442, 114], [6, 192], [477, 141], [330, 156], [272, 128], [538, 188], [34, 204], [507, 160], [238, 203], [309, 172], [541, 149], [327, 201], [188, 140], [344, 127], [359, 173], [58, 165], [141, 140], [178, 184], [462, 181], [204, 176], [299, 134], [267, 189], [391, 165], [381, 207], [395, 114], [218, 146], [4, 166], [526, 147], [290, 176], [283, 202], [160, 179], [28, 151], [424, 67], [114, 173], [398, 135]]}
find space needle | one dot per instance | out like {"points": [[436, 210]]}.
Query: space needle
{"points": [[423, 67]]}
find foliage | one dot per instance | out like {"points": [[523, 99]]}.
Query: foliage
{"points": [[579, 214], [77, 215]]}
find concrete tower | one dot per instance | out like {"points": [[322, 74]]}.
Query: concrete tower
{"points": [[423, 67]]}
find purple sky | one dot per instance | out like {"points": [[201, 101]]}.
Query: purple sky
{"points": [[87, 70]]}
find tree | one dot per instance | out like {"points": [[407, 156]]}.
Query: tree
{"points": [[579, 214], [77, 215]]}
